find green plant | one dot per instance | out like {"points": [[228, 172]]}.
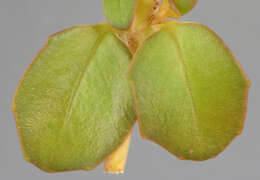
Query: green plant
{"points": [[80, 97]]}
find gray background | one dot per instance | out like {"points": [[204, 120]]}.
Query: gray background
{"points": [[24, 27]]}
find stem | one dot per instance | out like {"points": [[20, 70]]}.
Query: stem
{"points": [[148, 14], [144, 13], [115, 162], [168, 9]]}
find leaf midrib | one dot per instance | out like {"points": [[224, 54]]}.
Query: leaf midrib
{"points": [[81, 76], [74, 93], [187, 81]]}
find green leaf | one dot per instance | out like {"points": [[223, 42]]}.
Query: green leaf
{"points": [[191, 94], [184, 6], [74, 105], [119, 13]]}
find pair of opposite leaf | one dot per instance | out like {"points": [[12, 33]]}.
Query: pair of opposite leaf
{"points": [[79, 99]]}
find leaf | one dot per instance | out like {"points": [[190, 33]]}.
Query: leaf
{"points": [[191, 94], [119, 13], [74, 105], [184, 6]]}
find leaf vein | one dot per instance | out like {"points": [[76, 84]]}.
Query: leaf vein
{"points": [[187, 81], [74, 93]]}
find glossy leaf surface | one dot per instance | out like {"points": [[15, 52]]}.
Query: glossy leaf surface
{"points": [[191, 94], [184, 6], [119, 13], [74, 105]]}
